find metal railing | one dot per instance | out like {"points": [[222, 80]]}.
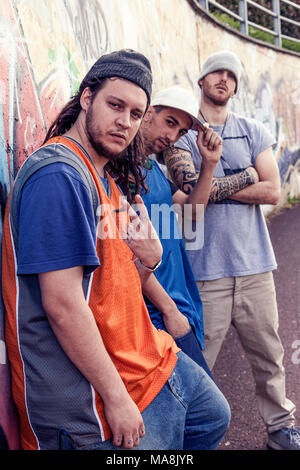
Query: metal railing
{"points": [[242, 17]]}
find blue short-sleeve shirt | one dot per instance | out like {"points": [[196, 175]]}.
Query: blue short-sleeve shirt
{"points": [[57, 228]]}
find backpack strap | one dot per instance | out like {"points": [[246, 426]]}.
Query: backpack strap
{"points": [[46, 155]]}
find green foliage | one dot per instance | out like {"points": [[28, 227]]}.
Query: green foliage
{"points": [[293, 14], [254, 32], [293, 46], [261, 35], [293, 201], [227, 19], [259, 17]]}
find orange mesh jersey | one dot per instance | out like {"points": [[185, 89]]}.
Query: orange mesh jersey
{"points": [[49, 391]]}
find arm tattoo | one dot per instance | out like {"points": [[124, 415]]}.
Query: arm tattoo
{"points": [[181, 168], [224, 187]]}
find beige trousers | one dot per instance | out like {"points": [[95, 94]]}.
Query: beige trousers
{"points": [[249, 303]]}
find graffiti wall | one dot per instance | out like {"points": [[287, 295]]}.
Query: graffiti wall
{"points": [[46, 46]]}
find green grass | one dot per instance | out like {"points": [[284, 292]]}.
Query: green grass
{"points": [[293, 201], [292, 45], [256, 33]]}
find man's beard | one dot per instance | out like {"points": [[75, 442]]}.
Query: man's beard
{"points": [[219, 101], [156, 149], [100, 148], [222, 101], [150, 148]]}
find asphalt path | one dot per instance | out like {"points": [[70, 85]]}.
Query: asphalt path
{"points": [[232, 371]]}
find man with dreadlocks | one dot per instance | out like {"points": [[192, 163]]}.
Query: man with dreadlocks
{"points": [[89, 370]]}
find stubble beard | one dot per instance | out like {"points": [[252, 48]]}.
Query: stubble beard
{"points": [[152, 146], [98, 146], [218, 101], [148, 144], [222, 101]]}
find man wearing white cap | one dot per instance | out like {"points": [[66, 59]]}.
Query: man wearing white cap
{"points": [[171, 295], [234, 267]]}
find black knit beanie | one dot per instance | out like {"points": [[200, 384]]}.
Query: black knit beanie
{"points": [[127, 64]]}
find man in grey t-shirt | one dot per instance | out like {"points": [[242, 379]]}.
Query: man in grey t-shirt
{"points": [[234, 267]]}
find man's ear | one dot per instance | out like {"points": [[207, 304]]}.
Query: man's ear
{"points": [[85, 98]]}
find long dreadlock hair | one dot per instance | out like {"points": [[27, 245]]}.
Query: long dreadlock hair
{"points": [[125, 169]]}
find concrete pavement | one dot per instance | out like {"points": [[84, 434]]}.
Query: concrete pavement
{"points": [[232, 371]]}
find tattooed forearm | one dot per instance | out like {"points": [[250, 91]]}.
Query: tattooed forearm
{"points": [[181, 168], [224, 187]]}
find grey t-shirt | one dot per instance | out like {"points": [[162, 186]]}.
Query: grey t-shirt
{"points": [[236, 241]]}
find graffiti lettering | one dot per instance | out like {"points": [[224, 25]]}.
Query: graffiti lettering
{"points": [[90, 28]]}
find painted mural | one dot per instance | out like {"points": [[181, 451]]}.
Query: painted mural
{"points": [[43, 50], [46, 47]]}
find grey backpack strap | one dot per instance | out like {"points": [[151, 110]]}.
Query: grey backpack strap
{"points": [[53, 153]]}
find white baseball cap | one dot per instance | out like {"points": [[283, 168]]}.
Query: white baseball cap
{"points": [[179, 98]]}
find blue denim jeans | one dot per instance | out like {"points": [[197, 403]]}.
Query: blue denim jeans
{"points": [[189, 413], [189, 344]]}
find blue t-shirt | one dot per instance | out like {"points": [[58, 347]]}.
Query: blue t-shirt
{"points": [[175, 273], [58, 220], [236, 238]]}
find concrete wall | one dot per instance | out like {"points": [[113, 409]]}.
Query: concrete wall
{"points": [[46, 46]]}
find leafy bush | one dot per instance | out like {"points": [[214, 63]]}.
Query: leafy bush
{"points": [[257, 16]]}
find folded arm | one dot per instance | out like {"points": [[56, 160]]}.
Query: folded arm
{"points": [[182, 170], [267, 189], [195, 190], [75, 329]]}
